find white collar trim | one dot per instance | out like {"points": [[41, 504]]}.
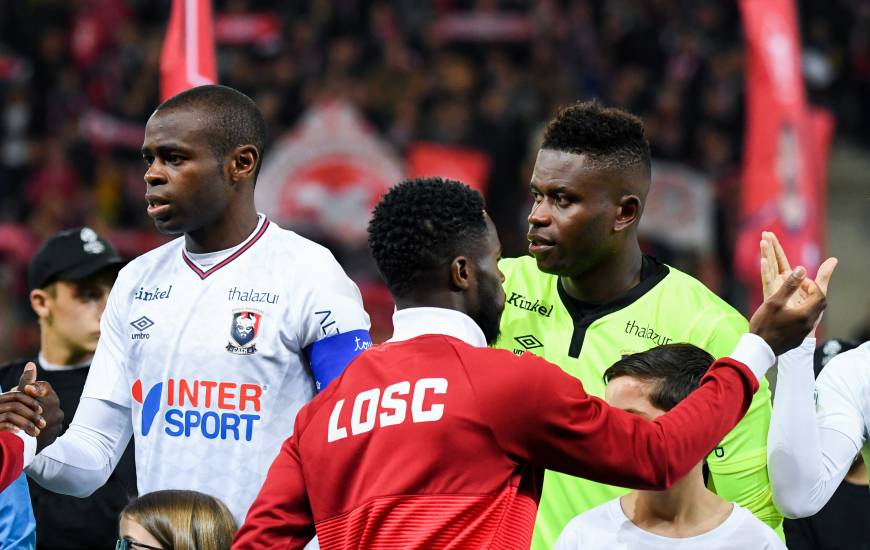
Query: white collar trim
{"points": [[417, 321]]}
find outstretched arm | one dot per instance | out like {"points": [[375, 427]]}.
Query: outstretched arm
{"points": [[82, 459], [567, 430], [809, 455]]}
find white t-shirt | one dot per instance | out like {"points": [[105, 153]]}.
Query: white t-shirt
{"points": [[215, 359], [606, 527]]}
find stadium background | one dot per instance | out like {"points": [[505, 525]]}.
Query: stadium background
{"points": [[361, 93]]}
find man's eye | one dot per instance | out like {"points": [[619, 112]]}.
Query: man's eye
{"points": [[175, 159], [147, 160]]}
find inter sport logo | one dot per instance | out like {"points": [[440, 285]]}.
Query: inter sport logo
{"points": [[200, 408]]}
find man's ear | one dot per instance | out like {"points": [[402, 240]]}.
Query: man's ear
{"points": [[627, 212], [243, 163], [39, 301], [461, 271]]}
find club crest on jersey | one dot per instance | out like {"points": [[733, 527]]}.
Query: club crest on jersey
{"points": [[243, 331]]}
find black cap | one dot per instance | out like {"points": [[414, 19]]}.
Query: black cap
{"points": [[71, 255]]}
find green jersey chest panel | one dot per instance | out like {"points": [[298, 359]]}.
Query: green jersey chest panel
{"points": [[666, 307]]}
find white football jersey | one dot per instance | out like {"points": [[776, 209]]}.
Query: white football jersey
{"points": [[215, 362]]}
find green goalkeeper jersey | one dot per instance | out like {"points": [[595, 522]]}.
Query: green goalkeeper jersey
{"points": [[667, 306]]}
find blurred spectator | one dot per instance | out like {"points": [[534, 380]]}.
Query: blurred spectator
{"points": [[69, 279], [176, 520]]}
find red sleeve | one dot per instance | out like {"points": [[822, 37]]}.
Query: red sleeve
{"points": [[280, 516], [541, 415], [11, 458]]}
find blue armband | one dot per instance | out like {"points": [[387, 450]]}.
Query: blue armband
{"points": [[329, 357]]}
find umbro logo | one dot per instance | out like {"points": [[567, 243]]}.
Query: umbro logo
{"points": [[529, 341], [141, 324]]}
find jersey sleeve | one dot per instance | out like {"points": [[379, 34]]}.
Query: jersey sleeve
{"points": [[560, 427], [738, 464], [11, 458], [107, 376], [808, 463], [280, 516], [334, 326]]}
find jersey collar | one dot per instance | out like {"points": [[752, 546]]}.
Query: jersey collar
{"points": [[417, 321], [251, 240]]}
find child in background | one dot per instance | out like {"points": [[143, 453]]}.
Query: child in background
{"points": [[176, 520]]}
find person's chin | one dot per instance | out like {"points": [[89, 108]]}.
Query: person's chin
{"points": [[169, 226], [548, 263]]}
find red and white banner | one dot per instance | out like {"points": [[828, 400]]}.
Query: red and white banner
{"points": [[786, 144], [188, 56], [328, 173], [679, 209], [469, 166]]}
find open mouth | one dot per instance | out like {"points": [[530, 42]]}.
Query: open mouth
{"points": [[157, 207], [539, 244]]}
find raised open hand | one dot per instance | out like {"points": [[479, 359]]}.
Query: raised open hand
{"points": [[775, 269]]}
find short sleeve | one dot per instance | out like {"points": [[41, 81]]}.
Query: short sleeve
{"points": [[107, 377], [334, 327]]}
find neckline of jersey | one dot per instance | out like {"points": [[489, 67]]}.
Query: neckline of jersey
{"points": [[206, 273], [652, 273]]}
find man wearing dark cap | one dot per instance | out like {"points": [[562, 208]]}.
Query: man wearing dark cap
{"points": [[70, 278]]}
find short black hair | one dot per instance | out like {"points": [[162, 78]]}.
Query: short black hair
{"points": [[676, 370], [233, 117], [611, 138], [421, 224]]}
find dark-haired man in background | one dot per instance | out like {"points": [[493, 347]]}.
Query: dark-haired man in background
{"points": [[212, 342], [70, 277], [588, 295], [688, 515], [432, 440]]}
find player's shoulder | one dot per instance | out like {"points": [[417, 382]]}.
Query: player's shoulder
{"points": [[687, 290], [850, 367], [300, 250], [604, 517], [753, 529]]}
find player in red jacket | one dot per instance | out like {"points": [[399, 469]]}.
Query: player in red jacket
{"points": [[433, 440]]}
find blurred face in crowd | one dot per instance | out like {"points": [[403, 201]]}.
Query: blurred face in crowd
{"points": [[186, 186], [135, 533], [488, 300], [571, 224], [69, 312]]}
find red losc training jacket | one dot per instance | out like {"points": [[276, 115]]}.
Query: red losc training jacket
{"points": [[433, 443]]}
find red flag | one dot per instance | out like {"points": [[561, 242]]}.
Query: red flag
{"points": [[188, 56], [785, 151]]}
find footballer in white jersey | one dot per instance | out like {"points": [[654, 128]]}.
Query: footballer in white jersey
{"points": [[214, 362], [211, 343]]}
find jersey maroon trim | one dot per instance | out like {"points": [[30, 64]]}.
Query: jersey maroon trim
{"points": [[203, 274]]}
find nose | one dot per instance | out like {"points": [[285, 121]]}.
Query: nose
{"points": [[540, 214], [154, 174]]}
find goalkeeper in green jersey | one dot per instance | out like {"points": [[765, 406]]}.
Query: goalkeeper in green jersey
{"points": [[588, 296]]}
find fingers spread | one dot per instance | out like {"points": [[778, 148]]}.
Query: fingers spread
{"points": [[782, 260]]}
